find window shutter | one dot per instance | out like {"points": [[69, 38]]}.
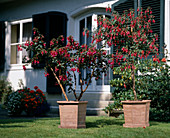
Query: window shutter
{"points": [[40, 22], [2, 45], [51, 25], [158, 11], [122, 5]]}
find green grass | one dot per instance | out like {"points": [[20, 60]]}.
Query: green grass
{"points": [[97, 127]]}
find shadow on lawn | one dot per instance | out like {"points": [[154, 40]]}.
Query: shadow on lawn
{"points": [[153, 123], [12, 126], [104, 122], [24, 119]]}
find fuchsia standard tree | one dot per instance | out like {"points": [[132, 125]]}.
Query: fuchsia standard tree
{"points": [[132, 39], [66, 61], [131, 36]]}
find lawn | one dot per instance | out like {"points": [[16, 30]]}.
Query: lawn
{"points": [[97, 127]]}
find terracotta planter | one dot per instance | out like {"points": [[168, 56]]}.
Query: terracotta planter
{"points": [[72, 114], [136, 113]]}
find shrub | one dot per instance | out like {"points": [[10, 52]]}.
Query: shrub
{"points": [[152, 84], [156, 87], [113, 108], [33, 102], [14, 104], [5, 89]]}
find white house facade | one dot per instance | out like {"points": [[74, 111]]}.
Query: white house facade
{"points": [[66, 17]]}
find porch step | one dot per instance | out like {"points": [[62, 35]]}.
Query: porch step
{"points": [[96, 102], [93, 107], [101, 96]]}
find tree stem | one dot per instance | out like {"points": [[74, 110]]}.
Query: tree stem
{"points": [[82, 91], [74, 90], [133, 79], [61, 86]]}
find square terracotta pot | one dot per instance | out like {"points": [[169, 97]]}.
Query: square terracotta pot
{"points": [[136, 113], [72, 114]]}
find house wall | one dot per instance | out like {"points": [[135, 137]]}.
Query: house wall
{"points": [[17, 9], [75, 9]]}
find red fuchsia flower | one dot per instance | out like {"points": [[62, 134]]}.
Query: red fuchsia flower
{"points": [[87, 34], [163, 60], [104, 53], [26, 105], [44, 45], [27, 43], [149, 21], [32, 99], [62, 38], [32, 91], [65, 78], [32, 43], [39, 91], [51, 43], [156, 59], [124, 85], [42, 53], [142, 52], [124, 50], [73, 69], [108, 9], [35, 87], [34, 32], [60, 77], [83, 33], [46, 74], [56, 69], [19, 48], [24, 68]]}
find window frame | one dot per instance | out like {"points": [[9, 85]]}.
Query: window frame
{"points": [[93, 87], [9, 43]]}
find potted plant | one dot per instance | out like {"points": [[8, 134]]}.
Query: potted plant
{"points": [[113, 109], [133, 40], [66, 64]]}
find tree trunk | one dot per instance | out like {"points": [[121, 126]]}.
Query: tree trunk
{"points": [[59, 83], [133, 79]]}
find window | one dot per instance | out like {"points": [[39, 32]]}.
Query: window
{"points": [[85, 23], [21, 31], [90, 22]]}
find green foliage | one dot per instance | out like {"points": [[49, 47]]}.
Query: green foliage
{"points": [[113, 107], [5, 88], [156, 87], [152, 83], [34, 103], [14, 104]]}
